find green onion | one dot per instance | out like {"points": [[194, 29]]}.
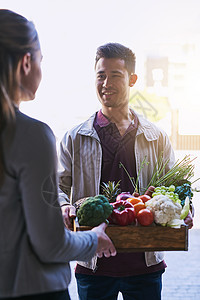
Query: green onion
{"points": [[182, 171], [132, 179]]}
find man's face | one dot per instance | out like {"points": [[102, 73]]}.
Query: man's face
{"points": [[112, 82]]}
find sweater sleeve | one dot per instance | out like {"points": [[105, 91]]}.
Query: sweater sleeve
{"points": [[36, 166]]}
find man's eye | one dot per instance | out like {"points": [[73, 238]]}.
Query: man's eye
{"points": [[100, 77]]}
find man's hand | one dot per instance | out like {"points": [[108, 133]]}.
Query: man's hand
{"points": [[69, 213], [105, 246], [189, 220]]}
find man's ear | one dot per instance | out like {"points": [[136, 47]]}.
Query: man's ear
{"points": [[132, 79], [26, 64]]}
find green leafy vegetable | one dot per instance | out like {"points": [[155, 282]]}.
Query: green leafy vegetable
{"points": [[184, 191]]}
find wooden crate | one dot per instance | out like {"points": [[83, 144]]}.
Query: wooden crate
{"points": [[140, 238]]}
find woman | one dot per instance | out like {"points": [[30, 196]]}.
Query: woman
{"points": [[35, 248]]}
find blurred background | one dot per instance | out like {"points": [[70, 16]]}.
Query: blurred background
{"points": [[165, 36]]}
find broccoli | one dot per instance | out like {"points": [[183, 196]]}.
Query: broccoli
{"points": [[94, 211]]}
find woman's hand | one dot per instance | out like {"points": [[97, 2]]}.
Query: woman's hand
{"points": [[69, 213], [105, 246]]}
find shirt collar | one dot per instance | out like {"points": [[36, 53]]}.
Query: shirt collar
{"points": [[103, 121]]}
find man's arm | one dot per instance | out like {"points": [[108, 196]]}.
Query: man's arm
{"points": [[65, 181], [65, 170]]}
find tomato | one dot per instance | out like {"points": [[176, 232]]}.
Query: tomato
{"points": [[145, 217], [144, 198]]}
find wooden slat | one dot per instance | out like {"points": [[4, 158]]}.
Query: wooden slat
{"points": [[140, 238]]}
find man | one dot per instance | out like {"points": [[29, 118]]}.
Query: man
{"points": [[91, 153]]}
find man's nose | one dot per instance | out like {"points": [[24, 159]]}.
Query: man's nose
{"points": [[107, 82]]}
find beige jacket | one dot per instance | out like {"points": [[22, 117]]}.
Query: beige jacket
{"points": [[81, 159]]}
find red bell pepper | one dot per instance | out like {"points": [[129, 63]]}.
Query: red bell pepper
{"points": [[123, 213]]}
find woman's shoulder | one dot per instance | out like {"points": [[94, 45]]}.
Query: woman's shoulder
{"points": [[23, 119], [32, 131], [25, 123], [29, 140]]}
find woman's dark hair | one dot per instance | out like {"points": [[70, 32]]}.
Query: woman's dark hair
{"points": [[116, 50], [18, 36]]}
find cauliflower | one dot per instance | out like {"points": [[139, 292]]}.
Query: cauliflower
{"points": [[166, 212]]}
